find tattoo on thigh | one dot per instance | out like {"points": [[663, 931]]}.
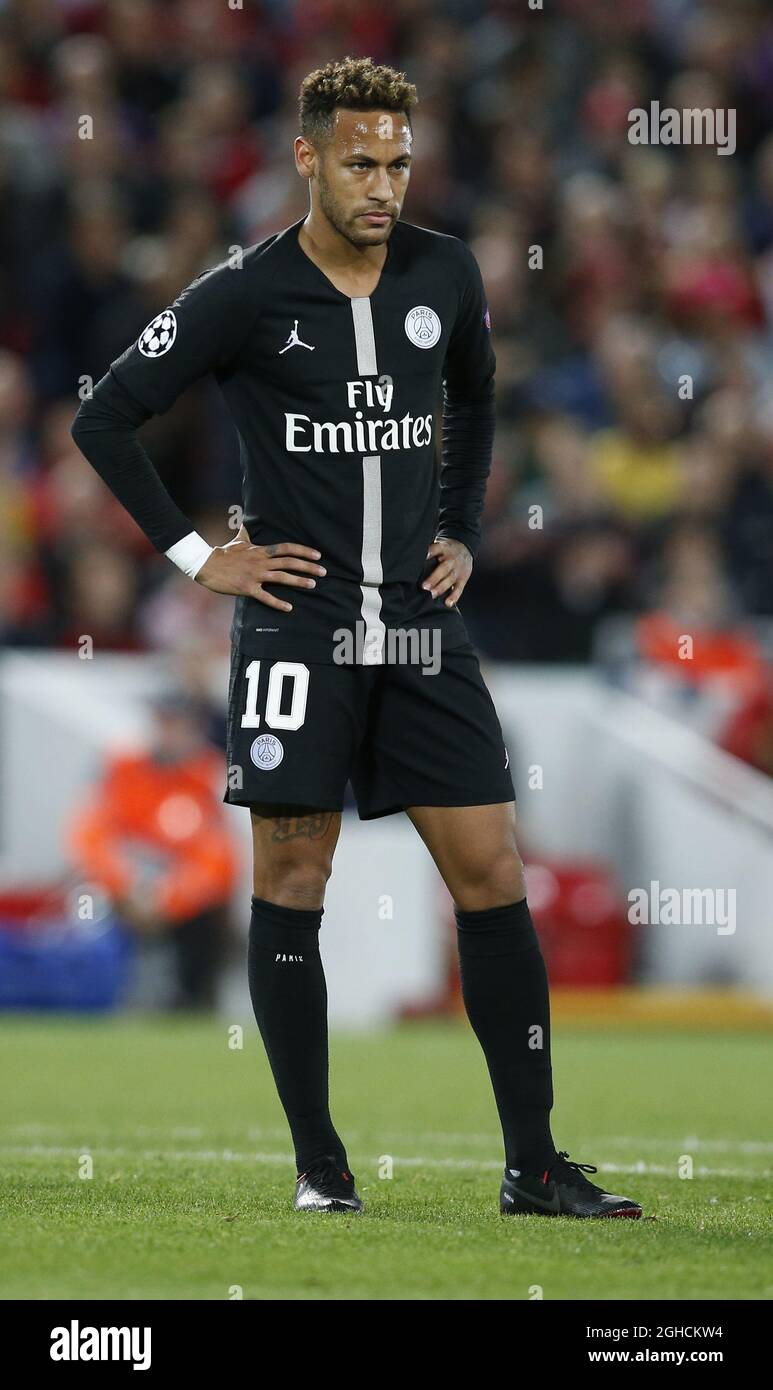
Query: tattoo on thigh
{"points": [[313, 826]]}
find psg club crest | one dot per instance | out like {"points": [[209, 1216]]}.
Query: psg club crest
{"points": [[266, 752], [159, 335], [422, 326]]}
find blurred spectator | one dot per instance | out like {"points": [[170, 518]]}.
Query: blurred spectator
{"points": [[152, 837], [697, 657]]}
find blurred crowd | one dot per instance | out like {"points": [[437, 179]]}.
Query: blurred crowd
{"points": [[630, 290]]}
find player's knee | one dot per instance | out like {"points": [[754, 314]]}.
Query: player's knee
{"points": [[294, 885], [492, 880]]}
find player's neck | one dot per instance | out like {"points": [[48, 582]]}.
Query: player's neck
{"points": [[351, 268]]}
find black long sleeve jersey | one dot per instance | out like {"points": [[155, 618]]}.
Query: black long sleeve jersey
{"points": [[334, 401]]}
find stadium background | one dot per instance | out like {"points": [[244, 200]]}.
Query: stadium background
{"points": [[631, 764]]}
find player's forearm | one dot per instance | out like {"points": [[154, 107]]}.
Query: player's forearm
{"points": [[468, 441], [105, 430]]}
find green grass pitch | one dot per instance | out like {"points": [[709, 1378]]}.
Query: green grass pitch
{"points": [[192, 1181]]}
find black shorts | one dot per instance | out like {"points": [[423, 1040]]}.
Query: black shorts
{"points": [[299, 731]]}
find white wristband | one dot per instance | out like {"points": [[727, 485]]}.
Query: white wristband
{"points": [[190, 553]]}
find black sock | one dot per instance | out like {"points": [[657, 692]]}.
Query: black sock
{"points": [[289, 997], [505, 990]]}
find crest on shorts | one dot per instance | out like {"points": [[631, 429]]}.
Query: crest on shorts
{"points": [[266, 752], [159, 335], [422, 326]]}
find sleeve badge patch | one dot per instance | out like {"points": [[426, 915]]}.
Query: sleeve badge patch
{"points": [[159, 335]]}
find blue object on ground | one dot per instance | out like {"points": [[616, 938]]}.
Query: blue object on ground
{"points": [[60, 965]]}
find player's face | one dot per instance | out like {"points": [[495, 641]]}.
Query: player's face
{"points": [[362, 174]]}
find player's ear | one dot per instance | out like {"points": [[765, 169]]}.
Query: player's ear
{"points": [[305, 156]]}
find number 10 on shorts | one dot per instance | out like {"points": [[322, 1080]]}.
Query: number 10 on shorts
{"points": [[279, 672]]}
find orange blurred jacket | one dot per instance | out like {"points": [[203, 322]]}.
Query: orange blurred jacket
{"points": [[171, 811], [728, 653]]}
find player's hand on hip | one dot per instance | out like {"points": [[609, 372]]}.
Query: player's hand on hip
{"points": [[243, 568], [453, 569]]}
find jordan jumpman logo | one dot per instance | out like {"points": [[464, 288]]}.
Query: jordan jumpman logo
{"points": [[294, 341]]}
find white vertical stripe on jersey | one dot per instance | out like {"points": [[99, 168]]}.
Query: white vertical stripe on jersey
{"points": [[364, 337], [372, 569], [372, 572]]}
